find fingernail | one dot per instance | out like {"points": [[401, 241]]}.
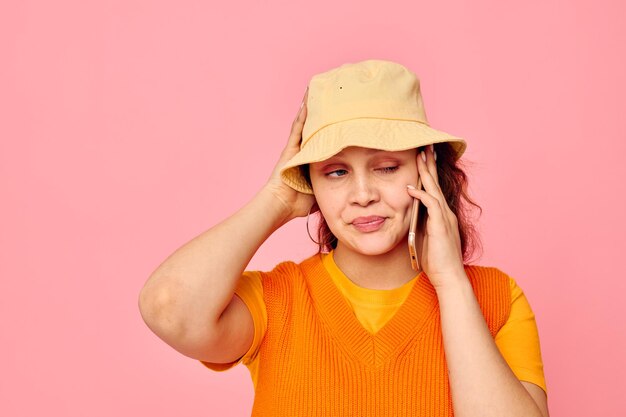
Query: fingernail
{"points": [[410, 186], [423, 156]]}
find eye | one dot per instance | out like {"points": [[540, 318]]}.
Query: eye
{"points": [[385, 170], [389, 170], [332, 172]]}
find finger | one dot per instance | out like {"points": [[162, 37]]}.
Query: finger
{"points": [[303, 105], [433, 206], [432, 163], [430, 185], [452, 218], [306, 95], [295, 136]]}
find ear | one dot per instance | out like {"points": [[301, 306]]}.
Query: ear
{"points": [[315, 207]]}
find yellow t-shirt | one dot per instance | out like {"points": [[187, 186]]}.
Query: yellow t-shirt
{"points": [[517, 340]]}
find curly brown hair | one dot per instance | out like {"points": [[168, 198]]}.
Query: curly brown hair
{"points": [[453, 183]]}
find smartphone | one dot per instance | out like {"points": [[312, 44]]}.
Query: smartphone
{"points": [[413, 228]]}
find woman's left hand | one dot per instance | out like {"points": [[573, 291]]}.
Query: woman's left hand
{"points": [[441, 256]]}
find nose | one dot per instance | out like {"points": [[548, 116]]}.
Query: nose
{"points": [[364, 190]]}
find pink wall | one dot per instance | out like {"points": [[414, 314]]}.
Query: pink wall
{"points": [[129, 127]]}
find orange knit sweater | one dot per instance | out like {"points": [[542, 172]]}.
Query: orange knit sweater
{"points": [[318, 360]]}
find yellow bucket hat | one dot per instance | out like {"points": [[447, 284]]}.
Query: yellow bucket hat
{"points": [[372, 104]]}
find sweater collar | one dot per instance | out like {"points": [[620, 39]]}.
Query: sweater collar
{"points": [[371, 349], [390, 297]]}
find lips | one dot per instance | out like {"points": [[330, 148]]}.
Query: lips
{"points": [[367, 219], [368, 224]]}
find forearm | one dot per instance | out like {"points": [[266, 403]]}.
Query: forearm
{"points": [[481, 382], [188, 292]]}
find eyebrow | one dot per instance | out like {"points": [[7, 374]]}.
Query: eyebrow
{"points": [[368, 151], [336, 158]]}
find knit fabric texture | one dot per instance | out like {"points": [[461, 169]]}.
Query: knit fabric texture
{"points": [[318, 360]]}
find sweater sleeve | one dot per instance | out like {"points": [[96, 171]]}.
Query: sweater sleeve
{"points": [[250, 290], [518, 340]]}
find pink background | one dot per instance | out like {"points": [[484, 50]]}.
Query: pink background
{"points": [[129, 127]]}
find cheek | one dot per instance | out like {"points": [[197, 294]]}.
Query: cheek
{"points": [[402, 197], [328, 204], [411, 174], [403, 204], [397, 197]]}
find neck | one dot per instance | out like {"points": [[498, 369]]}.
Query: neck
{"points": [[381, 272]]}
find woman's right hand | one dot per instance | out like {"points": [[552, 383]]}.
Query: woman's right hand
{"points": [[296, 203]]}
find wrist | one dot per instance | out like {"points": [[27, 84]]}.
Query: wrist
{"points": [[274, 205], [452, 282]]}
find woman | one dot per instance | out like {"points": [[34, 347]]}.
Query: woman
{"points": [[354, 329]]}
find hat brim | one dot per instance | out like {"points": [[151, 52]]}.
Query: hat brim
{"points": [[376, 133]]}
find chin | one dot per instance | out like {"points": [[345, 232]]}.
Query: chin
{"points": [[374, 247]]}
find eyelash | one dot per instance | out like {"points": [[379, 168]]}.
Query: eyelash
{"points": [[386, 170]]}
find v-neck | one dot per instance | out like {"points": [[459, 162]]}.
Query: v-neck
{"points": [[371, 349], [368, 296]]}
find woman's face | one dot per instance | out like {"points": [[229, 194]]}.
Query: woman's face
{"points": [[360, 182]]}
